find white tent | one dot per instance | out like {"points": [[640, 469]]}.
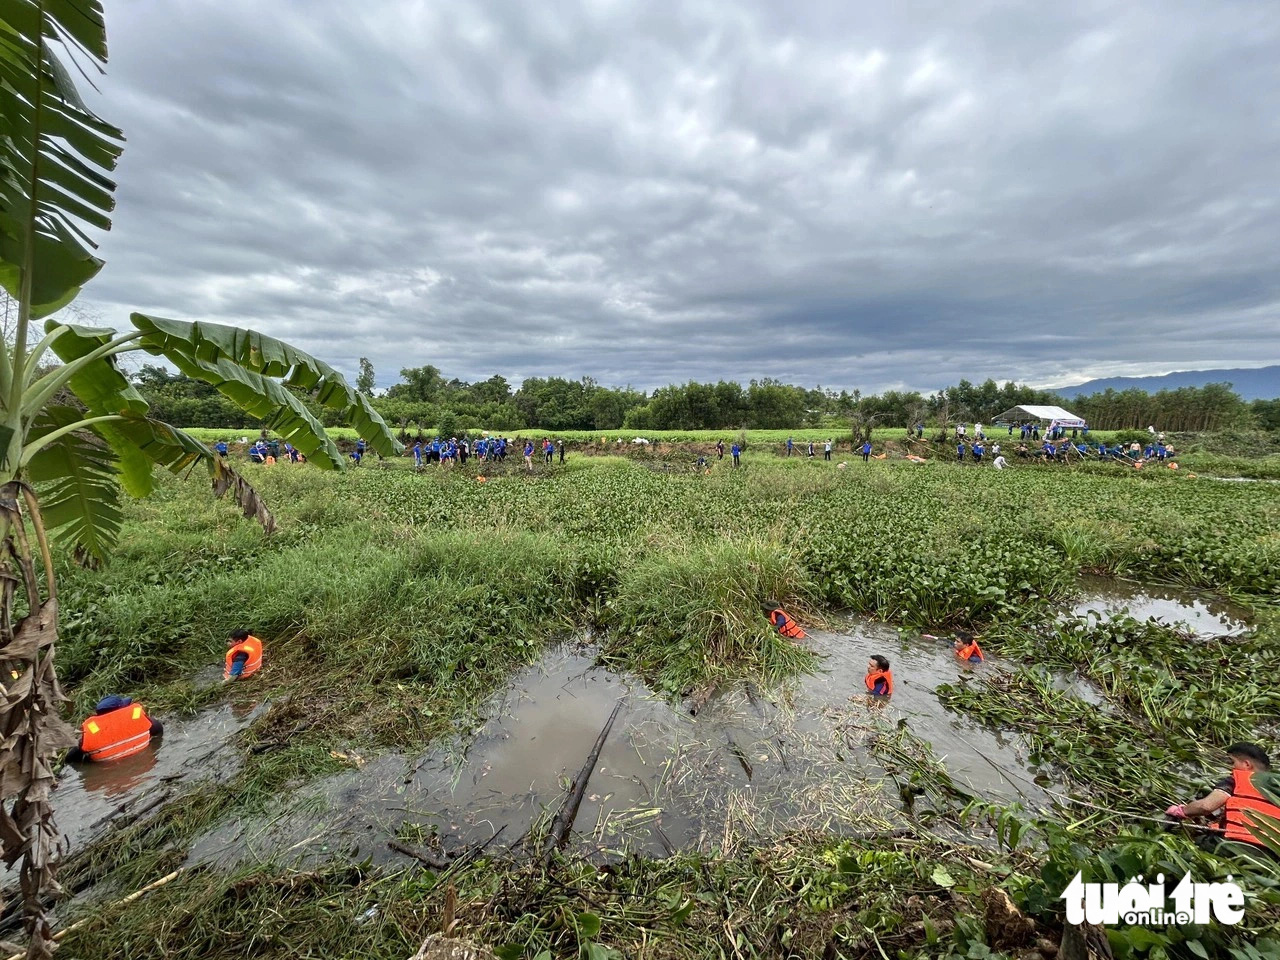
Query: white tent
{"points": [[1054, 416]]}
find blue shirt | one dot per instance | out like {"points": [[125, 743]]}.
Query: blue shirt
{"points": [[735, 450], [221, 447]]}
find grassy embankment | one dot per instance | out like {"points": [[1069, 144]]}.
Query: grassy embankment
{"points": [[394, 602]]}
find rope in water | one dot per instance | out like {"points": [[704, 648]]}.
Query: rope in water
{"points": [[1163, 821]]}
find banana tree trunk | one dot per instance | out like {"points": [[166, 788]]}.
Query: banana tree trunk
{"points": [[31, 727]]}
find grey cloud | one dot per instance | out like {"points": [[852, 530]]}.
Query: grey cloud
{"points": [[644, 193]]}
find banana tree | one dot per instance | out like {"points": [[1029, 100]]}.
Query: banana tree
{"points": [[74, 433]]}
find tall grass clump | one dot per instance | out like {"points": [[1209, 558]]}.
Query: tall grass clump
{"points": [[680, 620]]}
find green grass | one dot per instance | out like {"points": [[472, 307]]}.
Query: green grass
{"points": [[392, 603]]}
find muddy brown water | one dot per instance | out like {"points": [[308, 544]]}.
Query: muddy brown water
{"points": [[1105, 599], [89, 795], [749, 764]]}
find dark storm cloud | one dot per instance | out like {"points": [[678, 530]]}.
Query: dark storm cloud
{"points": [[655, 192]]}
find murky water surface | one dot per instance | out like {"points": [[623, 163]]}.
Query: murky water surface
{"points": [[1105, 598], [809, 754], [749, 763], [91, 796]]}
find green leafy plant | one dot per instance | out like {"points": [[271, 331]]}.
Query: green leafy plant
{"points": [[74, 434]]}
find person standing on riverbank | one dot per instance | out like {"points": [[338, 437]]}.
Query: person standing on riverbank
{"points": [[736, 451]]}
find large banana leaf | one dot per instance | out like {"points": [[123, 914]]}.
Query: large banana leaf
{"points": [[267, 399], [258, 353], [139, 442], [78, 484], [101, 386], [53, 148]]}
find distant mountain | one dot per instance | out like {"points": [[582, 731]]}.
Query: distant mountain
{"points": [[1259, 383]]}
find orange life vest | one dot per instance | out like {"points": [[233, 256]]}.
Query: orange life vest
{"points": [[968, 652], [786, 626], [1245, 797], [875, 675], [118, 733], [253, 647]]}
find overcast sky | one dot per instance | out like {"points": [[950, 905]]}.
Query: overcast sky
{"points": [[856, 195]]}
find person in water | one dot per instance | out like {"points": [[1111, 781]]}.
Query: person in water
{"points": [[1236, 797], [879, 678], [966, 646], [118, 728], [784, 624], [244, 655]]}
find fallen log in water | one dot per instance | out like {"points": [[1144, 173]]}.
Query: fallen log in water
{"points": [[563, 822]]}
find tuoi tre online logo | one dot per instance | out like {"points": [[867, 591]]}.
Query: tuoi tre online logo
{"points": [[1149, 904]]}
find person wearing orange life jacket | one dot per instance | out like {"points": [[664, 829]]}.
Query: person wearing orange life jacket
{"points": [[784, 624], [879, 678], [244, 655], [118, 728], [967, 648], [1236, 796]]}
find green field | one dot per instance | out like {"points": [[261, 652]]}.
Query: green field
{"points": [[394, 602]]}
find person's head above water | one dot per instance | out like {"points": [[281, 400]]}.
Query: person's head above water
{"points": [[113, 702], [878, 662], [237, 636]]}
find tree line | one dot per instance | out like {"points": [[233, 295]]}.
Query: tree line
{"points": [[425, 399]]}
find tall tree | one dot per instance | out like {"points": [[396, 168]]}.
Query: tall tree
{"points": [[366, 380]]}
